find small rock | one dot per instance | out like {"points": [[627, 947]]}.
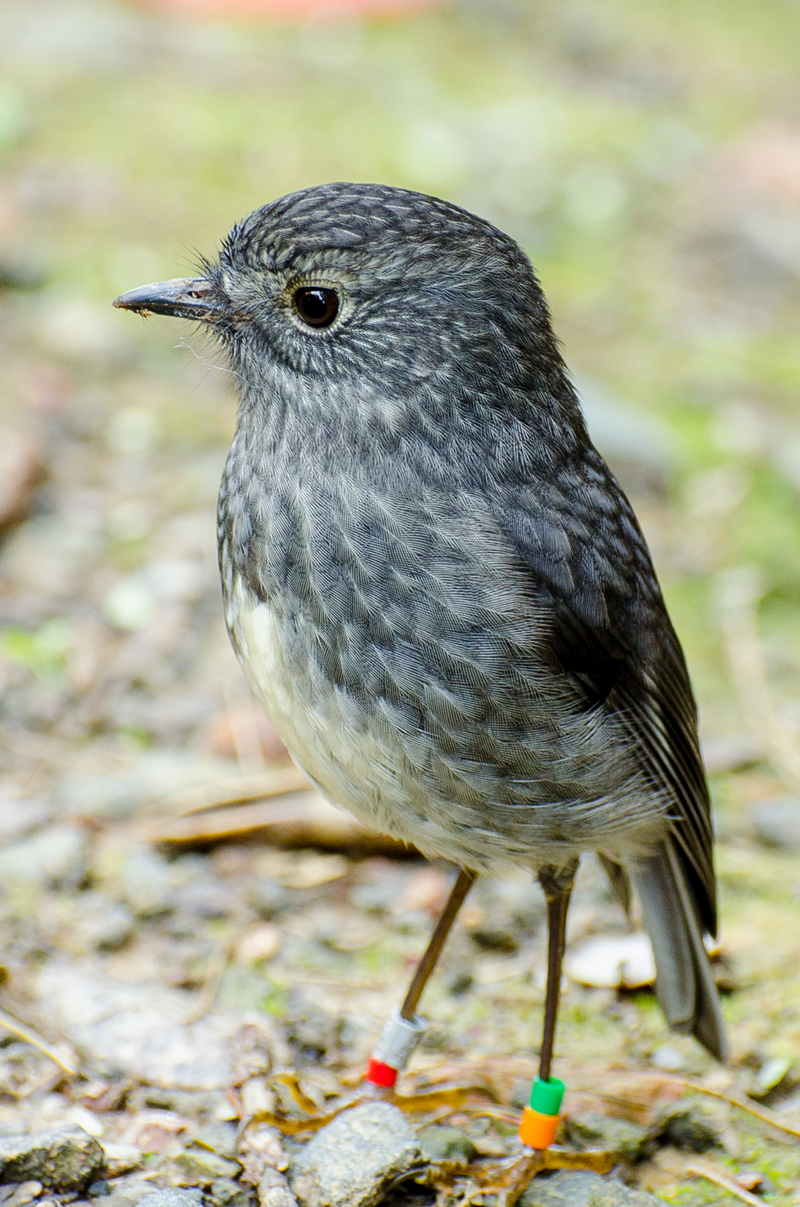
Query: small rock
{"points": [[350, 1162], [147, 884], [260, 942], [227, 1193], [777, 824], [266, 896], [24, 1193], [201, 1168], [64, 1158], [685, 1128], [668, 1058], [54, 856], [103, 923], [446, 1144], [206, 898], [590, 1129], [132, 1191], [568, 1188], [273, 1190], [171, 1198], [220, 1138], [257, 1098], [772, 1076], [261, 1148], [120, 1158]]}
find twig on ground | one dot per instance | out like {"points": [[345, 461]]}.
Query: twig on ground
{"points": [[35, 1040], [719, 1179], [759, 1112]]}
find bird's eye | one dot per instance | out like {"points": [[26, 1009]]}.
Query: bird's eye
{"points": [[316, 306]]}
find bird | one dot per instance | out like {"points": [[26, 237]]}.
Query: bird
{"points": [[434, 584]]}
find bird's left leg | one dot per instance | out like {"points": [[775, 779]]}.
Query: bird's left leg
{"points": [[540, 1119], [404, 1027]]}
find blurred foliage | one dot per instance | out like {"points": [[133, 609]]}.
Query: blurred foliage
{"points": [[43, 651], [646, 155], [596, 133]]}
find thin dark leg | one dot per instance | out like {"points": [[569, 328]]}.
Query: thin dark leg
{"points": [[463, 884], [557, 885]]}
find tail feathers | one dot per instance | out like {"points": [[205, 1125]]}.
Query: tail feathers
{"points": [[684, 984]]}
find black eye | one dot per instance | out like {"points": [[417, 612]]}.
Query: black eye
{"points": [[317, 307]]}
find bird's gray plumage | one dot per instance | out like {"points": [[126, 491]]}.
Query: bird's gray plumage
{"points": [[433, 581]]}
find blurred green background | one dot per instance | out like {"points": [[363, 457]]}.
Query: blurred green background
{"points": [[646, 155]]}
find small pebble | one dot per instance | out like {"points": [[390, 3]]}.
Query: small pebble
{"points": [[261, 942], [227, 1193], [273, 1190], [171, 1198], [567, 1188], [24, 1193], [446, 1144], [668, 1058], [200, 1167]]}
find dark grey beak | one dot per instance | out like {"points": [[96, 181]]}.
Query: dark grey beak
{"points": [[186, 298]]}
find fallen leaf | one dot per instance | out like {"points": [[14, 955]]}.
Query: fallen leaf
{"points": [[613, 962]]}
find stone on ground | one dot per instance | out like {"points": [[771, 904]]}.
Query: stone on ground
{"points": [[169, 1198], [350, 1162], [63, 1158], [568, 1188]]}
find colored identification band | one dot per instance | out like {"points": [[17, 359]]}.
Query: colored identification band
{"points": [[379, 1073], [540, 1120], [393, 1050]]}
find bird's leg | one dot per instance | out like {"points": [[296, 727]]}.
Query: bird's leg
{"points": [[404, 1028], [540, 1119]]}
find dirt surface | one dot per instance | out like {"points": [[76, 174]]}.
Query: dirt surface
{"points": [[170, 974]]}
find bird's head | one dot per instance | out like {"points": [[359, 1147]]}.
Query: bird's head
{"points": [[374, 284]]}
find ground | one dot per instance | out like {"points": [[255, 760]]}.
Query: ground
{"points": [[648, 159]]}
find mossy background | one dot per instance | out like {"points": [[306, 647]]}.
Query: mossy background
{"points": [[646, 155]]}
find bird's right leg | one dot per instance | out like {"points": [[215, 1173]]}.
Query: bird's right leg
{"points": [[404, 1028]]}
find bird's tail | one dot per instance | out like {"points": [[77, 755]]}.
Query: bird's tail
{"points": [[684, 984]]}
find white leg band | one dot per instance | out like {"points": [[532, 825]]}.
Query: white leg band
{"points": [[399, 1039]]}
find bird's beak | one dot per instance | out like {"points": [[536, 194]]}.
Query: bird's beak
{"points": [[186, 298]]}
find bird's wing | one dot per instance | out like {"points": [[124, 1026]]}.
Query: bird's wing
{"points": [[610, 632]]}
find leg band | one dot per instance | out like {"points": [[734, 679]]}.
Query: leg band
{"points": [[540, 1120], [394, 1048]]}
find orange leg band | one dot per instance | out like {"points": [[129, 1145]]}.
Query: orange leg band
{"points": [[537, 1130]]}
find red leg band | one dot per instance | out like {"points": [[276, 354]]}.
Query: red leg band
{"points": [[379, 1073]]}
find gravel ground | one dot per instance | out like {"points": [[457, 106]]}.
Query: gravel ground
{"points": [[187, 996]]}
